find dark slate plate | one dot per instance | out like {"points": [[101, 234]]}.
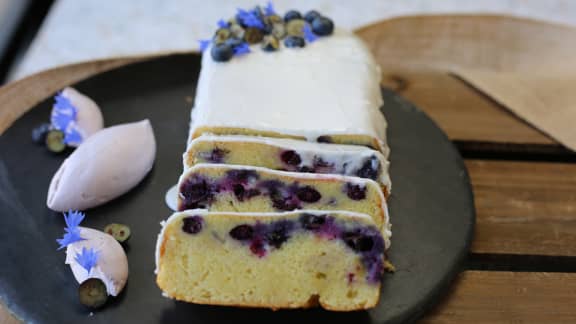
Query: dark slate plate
{"points": [[431, 208]]}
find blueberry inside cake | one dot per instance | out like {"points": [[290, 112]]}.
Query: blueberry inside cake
{"points": [[282, 200], [274, 260]]}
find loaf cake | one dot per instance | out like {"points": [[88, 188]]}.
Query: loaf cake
{"points": [[290, 155], [282, 202], [274, 260], [328, 91]]}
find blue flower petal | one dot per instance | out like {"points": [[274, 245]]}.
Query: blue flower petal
{"points": [[73, 218], [72, 135], [204, 43], [241, 49], [71, 231], [63, 112], [309, 35], [69, 238], [269, 9], [87, 258], [222, 24], [250, 18]]}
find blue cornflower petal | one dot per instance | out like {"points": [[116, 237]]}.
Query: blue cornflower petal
{"points": [[72, 135], [269, 9], [222, 24], [87, 258], [241, 49], [73, 218], [309, 35], [72, 233], [250, 19], [204, 43], [63, 112], [69, 237]]}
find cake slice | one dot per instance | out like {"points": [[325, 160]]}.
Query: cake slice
{"points": [[290, 155], [238, 188], [328, 91], [275, 260]]}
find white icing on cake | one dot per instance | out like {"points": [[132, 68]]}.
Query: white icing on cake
{"points": [[171, 197], [329, 87], [346, 157]]}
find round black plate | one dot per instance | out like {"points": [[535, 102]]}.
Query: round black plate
{"points": [[431, 208]]}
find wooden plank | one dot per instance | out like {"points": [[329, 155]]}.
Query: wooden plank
{"points": [[462, 112], [508, 297], [524, 207], [417, 53], [6, 317]]}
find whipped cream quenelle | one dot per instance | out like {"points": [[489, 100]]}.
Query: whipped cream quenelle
{"points": [[89, 118], [328, 91], [112, 264], [105, 166]]}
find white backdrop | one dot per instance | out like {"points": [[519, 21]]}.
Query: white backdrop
{"points": [[81, 30]]}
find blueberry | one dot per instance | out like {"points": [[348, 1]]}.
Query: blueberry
{"points": [[290, 157], [222, 52], [321, 166], [324, 139], [221, 35], [358, 242], [270, 43], [92, 293], [192, 224], [39, 133], [218, 155], [311, 15], [295, 27], [278, 234], [276, 238], [308, 194], [369, 169], [55, 141], [242, 232], [241, 176], [253, 35], [257, 247], [278, 31], [292, 14], [215, 156], [239, 191], [355, 192], [196, 193], [294, 41], [322, 26], [242, 193], [252, 193], [284, 204], [312, 222], [120, 232]]}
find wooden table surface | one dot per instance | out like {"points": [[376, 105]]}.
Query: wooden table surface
{"points": [[522, 265]]}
